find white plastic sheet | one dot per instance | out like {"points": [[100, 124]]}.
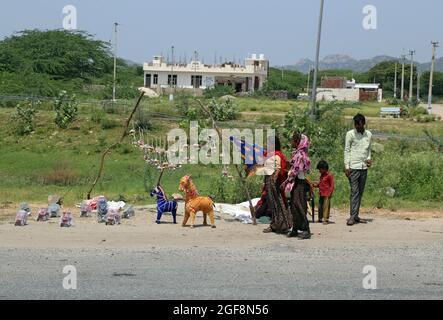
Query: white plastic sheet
{"points": [[240, 212]]}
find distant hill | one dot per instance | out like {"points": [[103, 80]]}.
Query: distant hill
{"points": [[339, 61], [438, 65]]}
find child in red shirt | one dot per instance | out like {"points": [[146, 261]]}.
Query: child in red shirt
{"points": [[326, 186]]}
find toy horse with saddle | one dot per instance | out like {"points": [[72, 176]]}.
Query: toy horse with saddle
{"points": [[164, 205], [195, 203]]}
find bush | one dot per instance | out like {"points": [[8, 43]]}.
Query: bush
{"points": [[24, 117], [231, 190], [426, 118], [325, 132], [65, 108], [393, 101], [223, 111]]}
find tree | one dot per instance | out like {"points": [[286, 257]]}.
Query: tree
{"points": [[384, 73], [59, 53], [437, 89]]}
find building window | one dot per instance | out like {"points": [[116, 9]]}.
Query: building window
{"points": [[155, 80], [196, 81], [172, 79]]}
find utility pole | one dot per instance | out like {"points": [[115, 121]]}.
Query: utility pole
{"points": [[115, 63], [402, 93], [431, 76], [418, 85], [395, 81], [317, 58], [309, 80], [411, 82]]}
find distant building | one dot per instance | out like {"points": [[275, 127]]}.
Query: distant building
{"points": [[196, 76], [340, 89]]}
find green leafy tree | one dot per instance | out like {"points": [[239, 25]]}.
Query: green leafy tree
{"points": [[384, 73], [59, 53], [437, 83], [223, 111]]}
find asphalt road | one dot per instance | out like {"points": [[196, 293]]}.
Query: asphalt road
{"points": [[273, 271]]}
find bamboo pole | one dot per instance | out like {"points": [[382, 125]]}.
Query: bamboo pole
{"points": [[109, 149], [237, 168]]}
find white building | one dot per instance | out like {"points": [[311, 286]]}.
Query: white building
{"points": [[343, 90], [160, 75]]}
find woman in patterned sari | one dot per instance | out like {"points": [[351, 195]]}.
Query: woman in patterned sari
{"points": [[296, 186], [273, 170]]}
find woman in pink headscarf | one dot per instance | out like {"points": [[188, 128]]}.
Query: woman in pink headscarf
{"points": [[296, 186]]}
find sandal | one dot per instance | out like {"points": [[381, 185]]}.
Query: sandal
{"points": [[268, 230]]}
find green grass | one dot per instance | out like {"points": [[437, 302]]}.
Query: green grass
{"points": [[66, 161]]}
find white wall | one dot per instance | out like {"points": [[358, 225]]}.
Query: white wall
{"points": [[183, 79], [338, 94]]}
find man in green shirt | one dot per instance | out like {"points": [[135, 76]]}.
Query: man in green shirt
{"points": [[357, 162]]}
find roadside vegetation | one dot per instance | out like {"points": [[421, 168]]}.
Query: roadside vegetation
{"points": [[53, 144]]}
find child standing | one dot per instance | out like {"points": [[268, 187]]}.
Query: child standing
{"points": [[326, 187]]}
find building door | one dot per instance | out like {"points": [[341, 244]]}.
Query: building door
{"points": [[148, 81], [256, 84]]}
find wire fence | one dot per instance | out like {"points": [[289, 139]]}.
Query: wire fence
{"points": [[121, 107]]}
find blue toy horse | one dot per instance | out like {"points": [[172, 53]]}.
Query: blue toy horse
{"points": [[163, 205]]}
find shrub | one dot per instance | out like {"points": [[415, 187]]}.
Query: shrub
{"points": [[223, 111], [393, 101], [24, 117], [65, 108], [325, 132], [231, 190]]}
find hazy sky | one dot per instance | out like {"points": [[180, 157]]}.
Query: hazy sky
{"points": [[284, 30]]}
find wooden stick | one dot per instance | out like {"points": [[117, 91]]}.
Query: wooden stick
{"points": [[109, 149], [160, 178], [237, 168]]}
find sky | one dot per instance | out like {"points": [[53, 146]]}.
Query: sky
{"points": [[284, 30]]}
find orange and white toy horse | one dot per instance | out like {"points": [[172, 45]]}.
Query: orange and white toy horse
{"points": [[195, 203]]}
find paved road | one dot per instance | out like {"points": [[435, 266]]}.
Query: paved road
{"points": [[270, 272], [140, 260]]}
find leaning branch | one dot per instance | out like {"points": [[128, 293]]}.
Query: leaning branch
{"points": [[237, 168], [125, 133]]}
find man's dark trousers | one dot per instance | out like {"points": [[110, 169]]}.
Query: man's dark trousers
{"points": [[357, 181]]}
